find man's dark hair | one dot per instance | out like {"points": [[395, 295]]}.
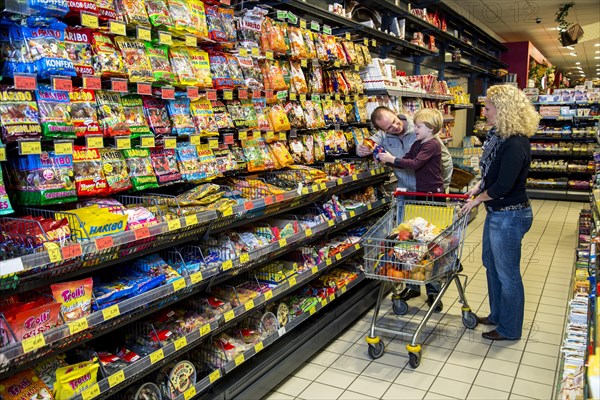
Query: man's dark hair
{"points": [[377, 113]]}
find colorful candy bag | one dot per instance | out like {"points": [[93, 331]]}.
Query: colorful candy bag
{"points": [[250, 28], [5, 207], [89, 174], [140, 169], [135, 59], [57, 9], [181, 15], [187, 161], [157, 116], [107, 59], [243, 113], [216, 30], [308, 155], [115, 170], [204, 118], [278, 118], [83, 112], [260, 107], [159, 62], [75, 298], [24, 385], [19, 115], [235, 72], [220, 71], [110, 113], [74, 379], [164, 163], [226, 16], [158, 13], [295, 114], [107, 9], [253, 78], [181, 119], [182, 66], [78, 43], [55, 118], [198, 14], [222, 117], [14, 51], [134, 12], [201, 67], [134, 115], [47, 49]]}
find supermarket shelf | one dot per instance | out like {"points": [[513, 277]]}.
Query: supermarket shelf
{"points": [[558, 194], [562, 155], [564, 173], [461, 106], [585, 139], [406, 93], [566, 103], [463, 67], [556, 118]]}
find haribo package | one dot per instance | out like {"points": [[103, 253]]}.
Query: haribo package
{"points": [[140, 169], [134, 115], [89, 174], [19, 115], [110, 114], [83, 112], [54, 110]]}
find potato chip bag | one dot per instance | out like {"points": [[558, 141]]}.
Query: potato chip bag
{"points": [[278, 118], [75, 298], [281, 153], [24, 385]]}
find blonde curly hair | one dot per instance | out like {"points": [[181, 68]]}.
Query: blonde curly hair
{"points": [[515, 115]]}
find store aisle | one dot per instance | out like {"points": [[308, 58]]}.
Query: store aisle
{"points": [[457, 363]]}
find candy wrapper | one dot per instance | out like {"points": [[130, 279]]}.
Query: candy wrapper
{"points": [[135, 59], [158, 13], [220, 71], [235, 71], [110, 113], [24, 385], [181, 15], [5, 207], [134, 115], [157, 115], [14, 51], [208, 162], [187, 161], [78, 43], [83, 112], [107, 9], [159, 62], [260, 107], [47, 49], [199, 24], [74, 379], [181, 118], [222, 117], [54, 110], [29, 319], [216, 30], [204, 118], [201, 67], [89, 174], [74, 297], [182, 66], [115, 170], [57, 9], [134, 12], [295, 114], [19, 115], [164, 162], [107, 59], [250, 26], [253, 78], [226, 16], [243, 114], [140, 169]]}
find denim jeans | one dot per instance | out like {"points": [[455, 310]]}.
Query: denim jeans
{"points": [[502, 236]]}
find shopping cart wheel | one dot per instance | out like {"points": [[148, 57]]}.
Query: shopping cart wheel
{"points": [[414, 359], [376, 350], [469, 320], [400, 307]]}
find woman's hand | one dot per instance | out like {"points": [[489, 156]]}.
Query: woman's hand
{"points": [[470, 204], [386, 158], [363, 151]]}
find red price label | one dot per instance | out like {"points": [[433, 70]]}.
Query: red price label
{"points": [[119, 85], [269, 93], [268, 200], [104, 243], [256, 94], [279, 197], [168, 93], [72, 251], [242, 93], [228, 139], [141, 233], [145, 89], [226, 2], [92, 83], [248, 205], [64, 84], [211, 95], [192, 93], [25, 82]]}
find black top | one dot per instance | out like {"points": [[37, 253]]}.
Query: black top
{"points": [[426, 160], [507, 177]]}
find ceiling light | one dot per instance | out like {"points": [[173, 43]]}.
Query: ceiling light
{"points": [[597, 58], [597, 51], [573, 54], [577, 63], [597, 45], [570, 47]]}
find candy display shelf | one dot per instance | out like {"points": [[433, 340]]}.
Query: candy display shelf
{"points": [[407, 93]]}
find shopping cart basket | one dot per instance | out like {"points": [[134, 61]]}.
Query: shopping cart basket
{"points": [[418, 253]]}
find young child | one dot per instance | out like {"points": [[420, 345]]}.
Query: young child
{"points": [[425, 155]]}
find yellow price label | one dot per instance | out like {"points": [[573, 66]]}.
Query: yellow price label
{"points": [[54, 253], [249, 305], [369, 207], [270, 135], [356, 68], [157, 356], [165, 38], [338, 256], [293, 96], [292, 280], [268, 295], [63, 147], [213, 376], [357, 246], [170, 143], [312, 310], [258, 347], [303, 63], [373, 42], [303, 23], [123, 143], [144, 34], [174, 224], [344, 288], [308, 232], [331, 222], [111, 312], [255, 51], [33, 343], [227, 95], [180, 343], [315, 188], [116, 378], [118, 28], [178, 284], [227, 212], [340, 181], [244, 258], [323, 303], [29, 148], [336, 64], [352, 214], [191, 41], [191, 392], [243, 52], [229, 315], [147, 141], [226, 265], [314, 269], [323, 186], [196, 277], [213, 143], [331, 297], [373, 172], [94, 142], [243, 135], [239, 359], [78, 326], [354, 177], [89, 21], [91, 392], [328, 262], [348, 36], [2, 153], [366, 41], [205, 330], [282, 136], [269, 55], [282, 242], [191, 220]]}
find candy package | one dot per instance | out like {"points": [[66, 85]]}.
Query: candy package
{"points": [[243, 114], [253, 78], [83, 112], [273, 75], [273, 36], [46, 370], [56, 9], [222, 117], [253, 155], [201, 67], [319, 146], [159, 62], [181, 118], [134, 12], [295, 114], [204, 118], [55, 118], [278, 118], [281, 153], [235, 71], [182, 66], [181, 15], [297, 45], [134, 115], [298, 80], [74, 297], [135, 59], [110, 113], [5, 207], [158, 13], [74, 379], [220, 71], [107, 9], [250, 25], [216, 30], [208, 162], [187, 161], [225, 161], [24, 385], [78, 43], [107, 59], [14, 51], [260, 107], [226, 16], [157, 115], [115, 170], [89, 173], [198, 15], [19, 115], [296, 149], [164, 163], [46, 47], [140, 169]]}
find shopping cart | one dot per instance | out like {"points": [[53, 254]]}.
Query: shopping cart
{"points": [[417, 253]]}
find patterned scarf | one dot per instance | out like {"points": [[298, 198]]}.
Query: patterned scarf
{"points": [[490, 148]]}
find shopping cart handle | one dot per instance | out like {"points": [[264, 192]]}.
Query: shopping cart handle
{"points": [[399, 193]]}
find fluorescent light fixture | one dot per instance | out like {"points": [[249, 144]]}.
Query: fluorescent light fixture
{"points": [[577, 63], [597, 45], [570, 47], [573, 54], [597, 51], [597, 58]]}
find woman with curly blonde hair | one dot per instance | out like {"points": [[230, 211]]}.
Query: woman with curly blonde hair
{"points": [[504, 167]]}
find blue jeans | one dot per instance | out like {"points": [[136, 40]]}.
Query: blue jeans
{"points": [[502, 236]]}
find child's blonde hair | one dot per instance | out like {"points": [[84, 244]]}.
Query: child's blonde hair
{"points": [[432, 118]]}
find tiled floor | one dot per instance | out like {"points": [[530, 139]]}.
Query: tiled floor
{"points": [[457, 363]]}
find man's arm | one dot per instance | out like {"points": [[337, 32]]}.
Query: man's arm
{"points": [[363, 151]]}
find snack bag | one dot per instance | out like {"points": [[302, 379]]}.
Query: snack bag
{"points": [[19, 115], [309, 41], [134, 115], [250, 27], [181, 15], [220, 71], [158, 13], [107, 59], [24, 385], [199, 24], [157, 116], [46, 370], [253, 78], [273, 36], [316, 84], [222, 117], [57, 9], [287, 73], [89, 174], [226, 16], [273, 75], [115, 170], [281, 153], [253, 155], [349, 51], [298, 80], [296, 149], [140, 169], [30, 319], [242, 113], [204, 118], [216, 30], [107, 9], [134, 11], [278, 118], [55, 118], [321, 48], [5, 207], [182, 66], [308, 155], [83, 112], [110, 113], [46, 47], [75, 298], [297, 45], [187, 161], [78, 44], [181, 118], [319, 146], [260, 107], [15, 55], [295, 114], [74, 379], [135, 59], [201, 67], [159, 62], [207, 161], [235, 71], [164, 162]]}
